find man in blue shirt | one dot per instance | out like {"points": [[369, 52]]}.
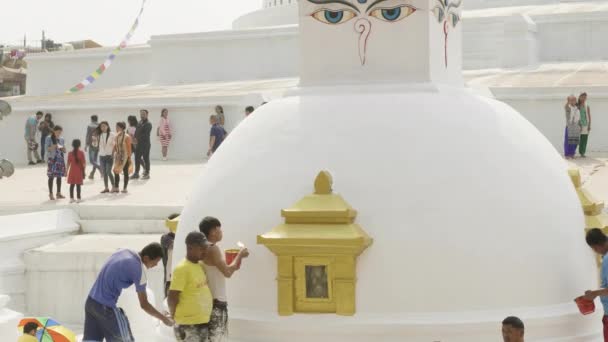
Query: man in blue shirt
{"points": [[597, 240], [103, 319], [216, 136]]}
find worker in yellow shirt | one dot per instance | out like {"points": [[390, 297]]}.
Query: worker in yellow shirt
{"points": [[29, 333], [190, 300]]}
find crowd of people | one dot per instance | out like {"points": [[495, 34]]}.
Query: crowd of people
{"points": [[121, 150], [578, 125], [195, 287], [109, 152]]}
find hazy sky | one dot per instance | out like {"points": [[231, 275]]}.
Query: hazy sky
{"points": [[107, 21]]}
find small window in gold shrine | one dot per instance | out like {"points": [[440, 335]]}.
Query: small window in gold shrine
{"points": [[316, 282]]}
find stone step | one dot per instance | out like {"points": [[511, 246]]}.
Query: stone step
{"points": [[22, 232], [59, 275], [8, 320], [93, 211], [123, 226]]}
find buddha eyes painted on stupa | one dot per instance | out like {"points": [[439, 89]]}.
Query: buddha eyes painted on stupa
{"points": [[336, 12]]}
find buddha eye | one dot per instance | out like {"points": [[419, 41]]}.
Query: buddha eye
{"points": [[392, 14], [334, 17]]}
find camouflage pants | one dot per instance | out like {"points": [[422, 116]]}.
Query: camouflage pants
{"points": [[218, 324], [191, 333]]}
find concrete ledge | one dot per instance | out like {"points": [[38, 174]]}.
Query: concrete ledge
{"points": [[77, 260], [123, 226], [25, 231], [8, 320]]}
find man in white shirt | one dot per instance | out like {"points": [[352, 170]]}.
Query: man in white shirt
{"points": [[217, 271]]}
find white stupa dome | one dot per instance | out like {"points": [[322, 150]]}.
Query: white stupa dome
{"points": [[471, 209]]}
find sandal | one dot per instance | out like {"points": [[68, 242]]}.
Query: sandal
{"points": [[60, 196]]}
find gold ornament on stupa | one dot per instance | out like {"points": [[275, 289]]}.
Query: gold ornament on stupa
{"points": [[317, 249]]}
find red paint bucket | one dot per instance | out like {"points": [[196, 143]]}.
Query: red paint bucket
{"points": [[585, 306], [231, 255]]}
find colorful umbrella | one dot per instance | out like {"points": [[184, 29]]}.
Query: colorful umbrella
{"points": [[49, 330]]}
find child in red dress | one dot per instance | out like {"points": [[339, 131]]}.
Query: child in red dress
{"points": [[76, 168]]}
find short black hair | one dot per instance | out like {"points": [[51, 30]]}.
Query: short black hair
{"points": [[132, 119], [513, 321], [172, 216], [207, 224], [596, 237], [76, 143], [57, 128], [29, 327], [249, 109], [39, 113], [144, 110], [152, 251], [196, 239], [94, 118]]}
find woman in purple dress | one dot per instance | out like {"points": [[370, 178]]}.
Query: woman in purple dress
{"points": [[573, 127]]}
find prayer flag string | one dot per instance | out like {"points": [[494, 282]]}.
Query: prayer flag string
{"points": [[108, 62]]}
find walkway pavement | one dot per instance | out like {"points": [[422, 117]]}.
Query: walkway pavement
{"points": [[170, 185]]}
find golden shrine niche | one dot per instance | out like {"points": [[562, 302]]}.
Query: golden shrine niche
{"points": [[317, 249]]}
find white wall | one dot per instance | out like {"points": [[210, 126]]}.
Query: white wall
{"points": [[224, 56], [57, 72], [544, 109], [274, 52], [20, 233], [190, 127]]}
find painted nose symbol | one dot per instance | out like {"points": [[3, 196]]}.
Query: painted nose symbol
{"points": [[364, 28]]}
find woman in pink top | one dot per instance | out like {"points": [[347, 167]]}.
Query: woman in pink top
{"points": [[164, 132]]}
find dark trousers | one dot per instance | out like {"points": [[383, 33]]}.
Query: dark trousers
{"points": [[191, 333], [218, 323], [125, 172], [142, 158], [106, 169], [50, 183], [42, 149], [78, 187], [582, 146], [102, 321], [93, 153]]}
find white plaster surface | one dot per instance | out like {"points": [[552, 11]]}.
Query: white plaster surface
{"points": [[72, 264], [444, 225], [19, 233], [164, 193], [66, 69], [8, 320]]}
